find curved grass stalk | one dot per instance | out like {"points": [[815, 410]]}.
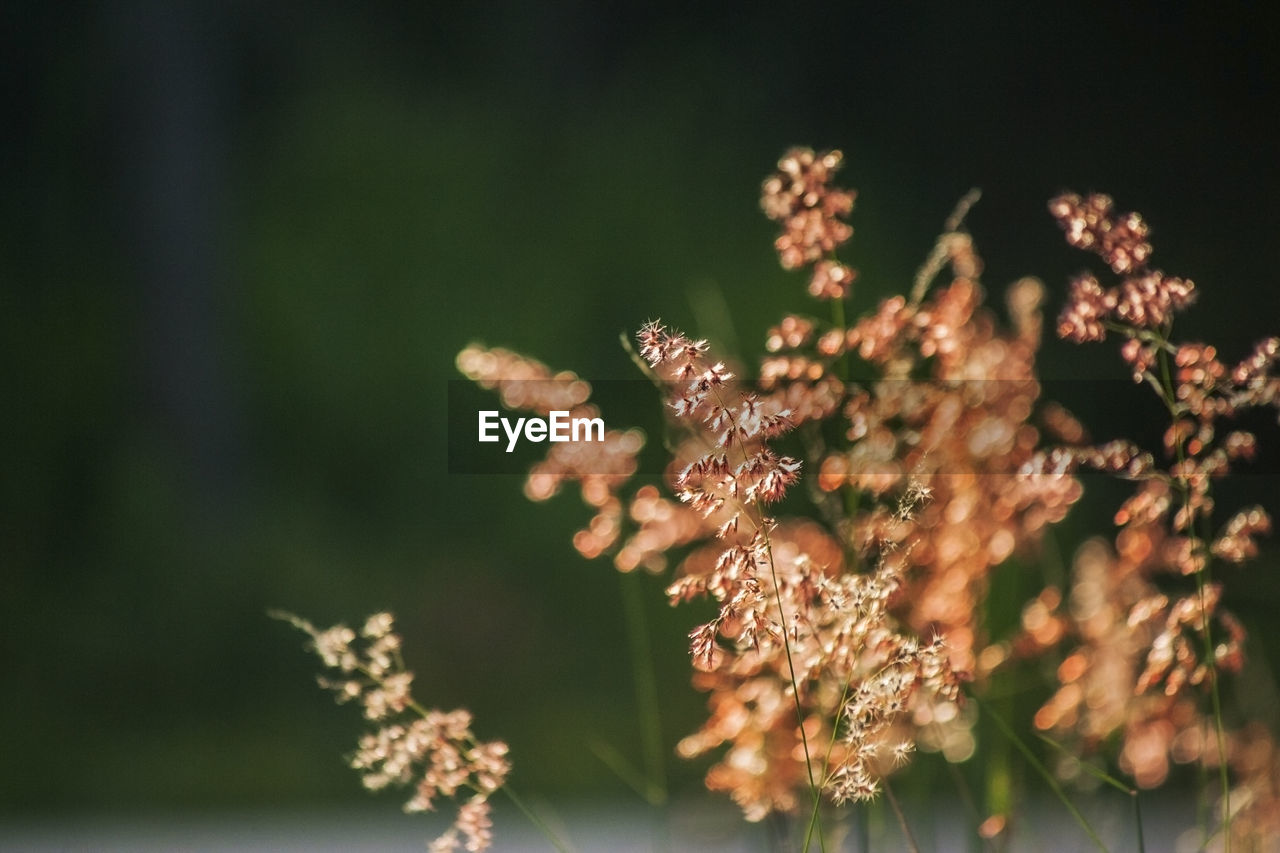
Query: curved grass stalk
{"points": [[646, 685], [1202, 577], [538, 822], [910, 839], [1105, 777], [1039, 767]]}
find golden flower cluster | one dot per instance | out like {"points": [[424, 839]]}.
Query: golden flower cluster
{"points": [[433, 752], [1152, 639], [811, 211], [836, 645], [846, 509]]}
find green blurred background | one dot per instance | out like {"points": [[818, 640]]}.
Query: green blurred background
{"points": [[240, 244]]}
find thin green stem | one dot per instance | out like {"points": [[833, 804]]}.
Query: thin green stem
{"points": [[1137, 818], [910, 839], [779, 824], [791, 671], [646, 686], [1216, 698], [1096, 772], [506, 788], [1202, 801], [940, 252], [838, 320], [1036, 765], [762, 527], [826, 763], [863, 828], [538, 822], [791, 668], [1202, 576], [970, 806], [813, 824], [1157, 339], [1103, 776], [631, 776]]}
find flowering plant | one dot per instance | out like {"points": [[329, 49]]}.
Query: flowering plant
{"points": [[846, 512]]}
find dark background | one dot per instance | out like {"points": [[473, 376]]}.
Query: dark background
{"points": [[241, 243]]}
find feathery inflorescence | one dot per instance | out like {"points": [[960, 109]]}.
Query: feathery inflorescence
{"points": [[845, 511], [432, 752]]}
